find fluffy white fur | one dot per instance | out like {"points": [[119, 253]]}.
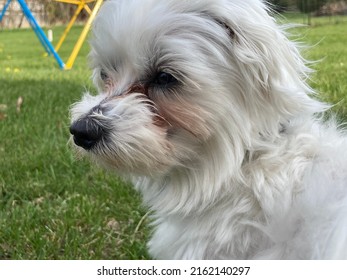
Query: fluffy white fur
{"points": [[231, 157]]}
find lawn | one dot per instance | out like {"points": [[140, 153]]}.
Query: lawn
{"points": [[327, 47], [53, 206]]}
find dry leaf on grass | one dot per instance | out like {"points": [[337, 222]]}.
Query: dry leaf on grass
{"points": [[113, 225], [19, 103]]}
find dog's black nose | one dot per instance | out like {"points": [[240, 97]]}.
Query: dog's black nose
{"points": [[86, 133]]}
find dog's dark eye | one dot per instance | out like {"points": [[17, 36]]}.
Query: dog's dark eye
{"points": [[164, 79], [103, 75]]}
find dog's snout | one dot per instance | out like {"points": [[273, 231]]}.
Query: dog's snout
{"points": [[86, 133]]}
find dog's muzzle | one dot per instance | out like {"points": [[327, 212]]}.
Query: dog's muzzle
{"points": [[86, 133]]}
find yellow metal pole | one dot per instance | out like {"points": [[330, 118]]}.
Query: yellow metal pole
{"points": [[76, 2], [87, 9], [83, 36], [68, 28]]}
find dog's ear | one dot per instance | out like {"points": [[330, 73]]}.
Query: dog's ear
{"points": [[270, 65]]}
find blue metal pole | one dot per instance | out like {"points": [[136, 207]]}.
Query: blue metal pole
{"points": [[40, 37], [4, 9], [40, 34]]}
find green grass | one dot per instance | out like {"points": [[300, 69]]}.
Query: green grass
{"points": [[53, 206], [305, 19], [327, 48]]}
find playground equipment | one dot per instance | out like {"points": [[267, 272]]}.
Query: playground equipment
{"points": [[4, 9], [38, 30], [81, 5]]}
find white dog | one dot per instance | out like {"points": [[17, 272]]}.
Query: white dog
{"points": [[205, 105]]}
